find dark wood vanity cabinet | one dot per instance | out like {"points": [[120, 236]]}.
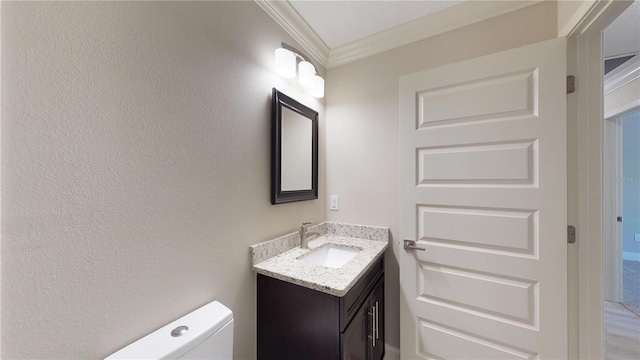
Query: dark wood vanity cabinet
{"points": [[296, 322], [364, 337]]}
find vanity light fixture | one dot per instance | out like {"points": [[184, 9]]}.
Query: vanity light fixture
{"points": [[288, 58]]}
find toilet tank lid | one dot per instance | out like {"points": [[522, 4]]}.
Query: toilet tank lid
{"points": [[160, 344]]}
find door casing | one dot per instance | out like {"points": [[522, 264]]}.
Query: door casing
{"points": [[586, 111]]}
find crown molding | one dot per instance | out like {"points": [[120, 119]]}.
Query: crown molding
{"points": [[467, 13], [289, 19]]}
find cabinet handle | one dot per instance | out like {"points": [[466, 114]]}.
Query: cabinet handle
{"points": [[373, 330], [376, 327]]}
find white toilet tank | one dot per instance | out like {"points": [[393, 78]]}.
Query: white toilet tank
{"points": [[206, 333]]}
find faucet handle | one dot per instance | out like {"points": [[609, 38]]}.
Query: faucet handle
{"points": [[306, 223]]}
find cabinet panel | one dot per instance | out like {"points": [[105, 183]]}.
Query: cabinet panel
{"points": [[295, 322], [354, 340]]}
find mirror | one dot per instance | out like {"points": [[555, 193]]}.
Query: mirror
{"points": [[294, 150]]}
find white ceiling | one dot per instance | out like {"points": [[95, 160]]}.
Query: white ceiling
{"points": [[338, 23], [622, 37]]}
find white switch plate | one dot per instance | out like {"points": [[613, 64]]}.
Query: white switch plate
{"points": [[638, 237], [333, 203]]}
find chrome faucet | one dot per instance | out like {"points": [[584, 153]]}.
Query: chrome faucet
{"points": [[305, 235]]}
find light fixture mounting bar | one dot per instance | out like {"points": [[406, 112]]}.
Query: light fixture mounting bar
{"points": [[297, 52]]}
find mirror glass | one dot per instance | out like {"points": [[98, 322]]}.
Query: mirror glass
{"points": [[296, 151], [294, 155]]}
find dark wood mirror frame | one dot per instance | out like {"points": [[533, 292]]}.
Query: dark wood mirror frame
{"points": [[281, 101]]}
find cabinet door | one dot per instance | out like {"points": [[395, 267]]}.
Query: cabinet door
{"points": [[354, 339], [376, 331]]}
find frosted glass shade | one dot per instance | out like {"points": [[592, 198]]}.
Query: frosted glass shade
{"points": [[306, 72], [317, 87], [285, 63]]}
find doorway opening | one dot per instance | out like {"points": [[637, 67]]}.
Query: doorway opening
{"points": [[622, 192], [622, 140], [631, 210], [622, 297]]}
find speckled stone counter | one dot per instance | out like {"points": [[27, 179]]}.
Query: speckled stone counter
{"points": [[280, 258]]}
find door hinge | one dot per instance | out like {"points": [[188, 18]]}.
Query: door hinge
{"points": [[619, 219], [571, 234], [571, 84]]}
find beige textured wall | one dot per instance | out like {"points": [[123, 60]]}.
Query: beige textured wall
{"points": [[135, 169], [362, 122]]}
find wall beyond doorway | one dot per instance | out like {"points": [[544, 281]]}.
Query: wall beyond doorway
{"points": [[631, 185]]}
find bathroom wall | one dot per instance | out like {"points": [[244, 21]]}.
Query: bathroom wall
{"points": [[631, 184], [615, 103], [362, 122], [135, 169]]}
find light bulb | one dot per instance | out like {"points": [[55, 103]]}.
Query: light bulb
{"points": [[285, 63]]}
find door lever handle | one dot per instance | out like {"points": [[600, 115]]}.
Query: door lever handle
{"points": [[411, 245]]}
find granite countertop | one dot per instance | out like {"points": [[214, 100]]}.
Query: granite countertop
{"points": [[280, 258]]}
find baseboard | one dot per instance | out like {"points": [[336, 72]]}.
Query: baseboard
{"points": [[631, 256], [391, 353]]}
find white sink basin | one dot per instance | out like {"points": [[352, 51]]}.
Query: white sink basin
{"points": [[330, 256]]}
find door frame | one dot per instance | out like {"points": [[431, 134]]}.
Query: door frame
{"points": [[588, 115]]}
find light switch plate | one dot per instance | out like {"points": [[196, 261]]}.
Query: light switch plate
{"points": [[333, 203], [638, 237]]}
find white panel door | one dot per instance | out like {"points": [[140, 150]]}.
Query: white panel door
{"points": [[483, 192]]}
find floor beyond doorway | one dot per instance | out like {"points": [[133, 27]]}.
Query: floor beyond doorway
{"points": [[622, 332], [631, 285]]}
